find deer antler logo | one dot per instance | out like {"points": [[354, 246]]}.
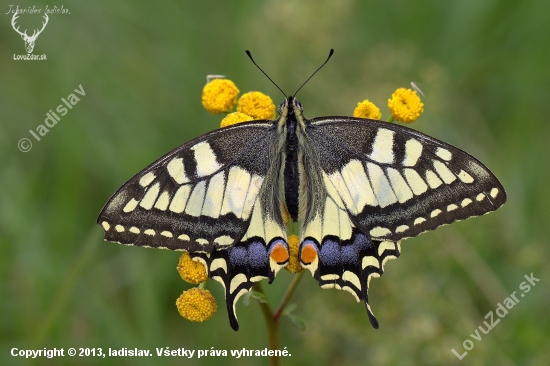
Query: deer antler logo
{"points": [[29, 40]]}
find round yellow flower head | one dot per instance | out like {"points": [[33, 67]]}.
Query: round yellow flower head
{"points": [[191, 271], [219, 96], [405, 105], [367, 109], [234, 118], [197, 305], [294, 265], [257, 105]]}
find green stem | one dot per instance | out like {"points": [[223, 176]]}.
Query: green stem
{"points": [[287, 296], [273, 320], [272, 325]]}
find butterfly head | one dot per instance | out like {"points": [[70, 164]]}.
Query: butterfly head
{"points": [[290, 106]]}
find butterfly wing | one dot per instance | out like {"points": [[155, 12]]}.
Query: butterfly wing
{"points": [[205, 197], [396, 182], [382, 183]]}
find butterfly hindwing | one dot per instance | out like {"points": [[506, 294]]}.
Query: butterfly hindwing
{"points": [[396, 182], [337, 253], [259, 255]]}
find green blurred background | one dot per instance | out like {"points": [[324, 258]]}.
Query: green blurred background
{"points": [[483, 67]]}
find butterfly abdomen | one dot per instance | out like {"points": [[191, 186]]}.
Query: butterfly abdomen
{"points": [[291, 184]]}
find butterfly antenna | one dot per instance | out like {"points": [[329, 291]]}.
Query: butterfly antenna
{"points": [[320, 67], [254, 62]]}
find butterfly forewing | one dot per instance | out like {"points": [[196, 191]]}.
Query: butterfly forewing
{"points": [[198, 197], [397, 183]]}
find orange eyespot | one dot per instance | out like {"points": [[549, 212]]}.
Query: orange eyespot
{"points": [[309, 253], [279, 253]]}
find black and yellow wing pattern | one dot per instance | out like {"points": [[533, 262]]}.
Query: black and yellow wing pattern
{"points": [[382, 183], [356, 186], [205, 197]]}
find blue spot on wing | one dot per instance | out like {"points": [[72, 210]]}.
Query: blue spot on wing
{"points": [[361, 242], [350, 255], [238, 256], [257, 255], [330, 253]]}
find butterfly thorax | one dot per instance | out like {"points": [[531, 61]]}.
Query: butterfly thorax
{"points": [[292, 124]]}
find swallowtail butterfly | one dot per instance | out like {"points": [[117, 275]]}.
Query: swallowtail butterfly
{"points": [[358, 187]]}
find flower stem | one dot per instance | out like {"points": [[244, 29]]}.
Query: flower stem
{"points": [[273, 320], [272, 326], [287, 296]]}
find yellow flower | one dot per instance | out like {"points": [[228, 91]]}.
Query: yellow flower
{"points": [[405, 105], [219, 96], [367, 109], [294, 265], [191, 271], [234, 118], [257, 105], [197, 305]]}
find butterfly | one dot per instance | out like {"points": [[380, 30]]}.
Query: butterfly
{"points": [[357, 187]]}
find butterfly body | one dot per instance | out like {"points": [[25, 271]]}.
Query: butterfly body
{"points": [[356, 186], [291, 168]]}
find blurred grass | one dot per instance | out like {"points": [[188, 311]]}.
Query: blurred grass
{"points": [[483, 68]]}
